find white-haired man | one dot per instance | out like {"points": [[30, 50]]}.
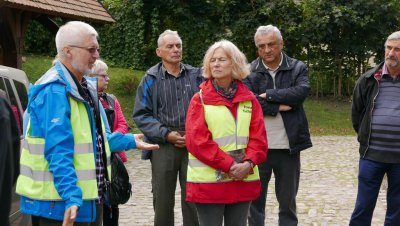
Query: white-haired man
{"points": [[281, 85], [375, 117], [65, 155], [161, 104]]}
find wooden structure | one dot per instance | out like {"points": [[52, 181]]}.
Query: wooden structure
{"points": [[15, 16]]}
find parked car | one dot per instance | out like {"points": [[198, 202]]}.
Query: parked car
{"points": [[15, 84]]}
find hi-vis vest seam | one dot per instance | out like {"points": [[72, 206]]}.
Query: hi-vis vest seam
{"points": [[42, 175], [230, 135], [37, 149]]}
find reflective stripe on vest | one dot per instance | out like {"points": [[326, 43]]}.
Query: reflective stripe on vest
{"points": [[228, 134], [36, 181]]}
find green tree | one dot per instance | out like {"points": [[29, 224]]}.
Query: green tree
{"points": [[240, 20], [123, 42], [341, 36]]}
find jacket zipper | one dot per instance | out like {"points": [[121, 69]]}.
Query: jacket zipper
{"points": [[370, 122], [274, 82]]}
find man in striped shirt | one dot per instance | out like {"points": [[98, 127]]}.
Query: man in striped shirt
{"points": [[376, 119], [161, 104]]}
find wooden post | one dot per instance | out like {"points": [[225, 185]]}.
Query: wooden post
{"points": [[12, 41]]}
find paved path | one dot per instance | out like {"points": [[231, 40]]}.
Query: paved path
{"points": [[327, 193]]}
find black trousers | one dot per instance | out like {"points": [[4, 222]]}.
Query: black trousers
{"points": [[110, 215], [233, 214], [168, 165], [286, 169]]}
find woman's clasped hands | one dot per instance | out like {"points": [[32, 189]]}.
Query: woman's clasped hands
{"points": [[240, 171]]}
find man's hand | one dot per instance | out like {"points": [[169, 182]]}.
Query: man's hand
{"points": [[263, 95], [176, 139], [140, 144], [284, 107], [70, 216]]}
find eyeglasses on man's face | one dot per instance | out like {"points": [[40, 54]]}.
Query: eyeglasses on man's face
{"points": [[91, 50], [105, 76]]}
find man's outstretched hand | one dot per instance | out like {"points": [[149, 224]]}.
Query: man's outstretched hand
{"points": [[140, 144], [70, 216]]}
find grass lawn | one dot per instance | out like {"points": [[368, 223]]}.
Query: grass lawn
{"points": [[329, 117], [325, 116]]}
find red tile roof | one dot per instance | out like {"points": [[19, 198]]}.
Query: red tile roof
{"points": [[91, 10]]}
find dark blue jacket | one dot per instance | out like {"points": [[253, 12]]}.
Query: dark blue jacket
{"points": [[146, 106], [292, 88]]}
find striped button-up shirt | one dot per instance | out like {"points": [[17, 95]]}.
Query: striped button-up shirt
{"points": [[174, 96]]}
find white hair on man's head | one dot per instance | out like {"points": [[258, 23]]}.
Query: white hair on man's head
{"points": [[167, 32], [393, 36], [262, 30], [71, 33]]}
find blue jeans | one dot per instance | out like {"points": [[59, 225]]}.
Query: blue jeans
{"points": [[370, 178]]}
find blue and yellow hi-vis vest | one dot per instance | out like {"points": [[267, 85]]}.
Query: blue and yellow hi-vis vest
{"points": [[36, 181]]}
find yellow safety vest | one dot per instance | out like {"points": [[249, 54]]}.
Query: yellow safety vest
{"points": [[36, 181], [229, 134]]}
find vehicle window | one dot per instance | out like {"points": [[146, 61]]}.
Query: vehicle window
{"points": [[2, 85], [14, 104], [23, 96]]}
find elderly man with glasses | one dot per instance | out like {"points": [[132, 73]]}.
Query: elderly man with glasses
{"points": [[65, 167]]}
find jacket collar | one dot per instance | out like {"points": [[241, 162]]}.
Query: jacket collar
{"points": [[158, 70], [258, 66], [60, 74], [373, 71], [210, 96]]}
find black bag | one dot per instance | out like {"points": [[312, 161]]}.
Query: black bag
{"points": [[120, 188]]}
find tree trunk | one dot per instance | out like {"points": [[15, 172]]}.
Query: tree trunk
{"points": [[339, 62]]}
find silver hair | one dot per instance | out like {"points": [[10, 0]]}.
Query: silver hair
{"points": [[262, 30], [98, 67], [239, 62], [71, 33], [393, 36], [167, 32]]}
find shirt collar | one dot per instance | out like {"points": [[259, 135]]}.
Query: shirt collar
{"points": [[386, 74], [164, 70], [79, 85], [385, 70], [272, 69]]}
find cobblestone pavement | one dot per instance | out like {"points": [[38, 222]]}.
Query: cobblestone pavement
{"points": [[327, 193]]}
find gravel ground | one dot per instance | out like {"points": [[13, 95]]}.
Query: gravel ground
{"points": [[327, 193]]}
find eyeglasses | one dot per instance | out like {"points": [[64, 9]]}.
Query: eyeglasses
{"points": [[91, 50], [104, 76]]}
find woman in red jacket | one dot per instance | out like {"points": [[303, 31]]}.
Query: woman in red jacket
{"points": [[117, 123], [226, 138]]}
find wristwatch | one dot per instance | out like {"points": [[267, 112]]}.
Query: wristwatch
{"points": [[251, 163]]}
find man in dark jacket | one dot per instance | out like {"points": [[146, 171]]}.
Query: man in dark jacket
{"points": [[9, 156], [375, 117], [281, 85], [161, 104]]}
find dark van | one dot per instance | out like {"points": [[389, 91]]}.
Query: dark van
{"points": [[15, 84]]}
